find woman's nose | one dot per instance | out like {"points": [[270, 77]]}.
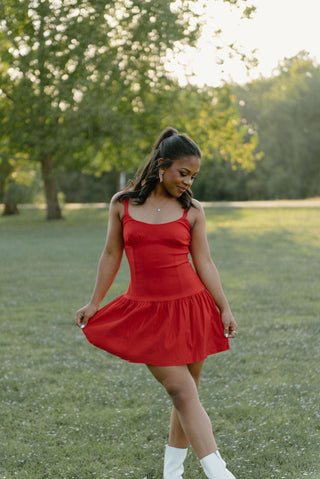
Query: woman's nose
{"points": [[187, 180]]}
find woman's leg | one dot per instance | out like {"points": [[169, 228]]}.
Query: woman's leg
{"points": [[193, 419], [177, 437]]}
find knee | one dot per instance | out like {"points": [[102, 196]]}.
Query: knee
{"points": [[180, 394]]}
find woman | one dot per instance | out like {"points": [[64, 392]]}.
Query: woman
{"points": [[173, 315]]}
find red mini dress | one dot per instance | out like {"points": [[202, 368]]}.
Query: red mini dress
{"points": [[166, 317]]}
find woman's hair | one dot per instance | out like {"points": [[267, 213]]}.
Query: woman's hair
{"points": [[169, 146]]}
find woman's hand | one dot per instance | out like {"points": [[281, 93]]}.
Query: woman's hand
{"points": [[229, 325], [84, 314]]}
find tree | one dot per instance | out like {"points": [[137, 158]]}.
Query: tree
{"points": [[284, 113], [72, 73], [228, 150], [210, 116]]}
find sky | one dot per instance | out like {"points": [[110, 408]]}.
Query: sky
{"points": [[279, 29]]}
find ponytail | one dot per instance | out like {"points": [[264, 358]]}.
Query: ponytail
{"points": [[169, 131]]}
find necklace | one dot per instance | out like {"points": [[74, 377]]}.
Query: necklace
{"points": [[156, 207]]}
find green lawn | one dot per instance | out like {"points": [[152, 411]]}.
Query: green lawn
{"points": [[69, 410]]}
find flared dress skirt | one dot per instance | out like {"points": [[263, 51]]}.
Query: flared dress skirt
{"points": [[166, 317]]}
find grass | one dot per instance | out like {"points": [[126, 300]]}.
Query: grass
{"points": [[69, 410]]}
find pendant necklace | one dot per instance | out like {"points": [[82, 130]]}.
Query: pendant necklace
{"points": [[155, 207]]}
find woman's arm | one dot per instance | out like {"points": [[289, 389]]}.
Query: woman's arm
{"points": [[207, 270], [109, 263]]}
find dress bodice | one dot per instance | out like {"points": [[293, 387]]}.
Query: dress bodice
{"points": [[158, 257]]}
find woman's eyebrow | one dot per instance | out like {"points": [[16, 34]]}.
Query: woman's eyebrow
{"points": [[189, 171]]}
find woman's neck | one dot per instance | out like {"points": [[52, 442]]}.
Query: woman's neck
{"points": [[159, 192]]}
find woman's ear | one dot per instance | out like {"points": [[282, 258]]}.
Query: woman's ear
{"points": [[161, 170]]}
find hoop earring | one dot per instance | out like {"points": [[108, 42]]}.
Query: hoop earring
{"points": [[161, 176]]}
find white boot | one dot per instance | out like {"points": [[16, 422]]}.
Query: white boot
{"points": [[215, 467], [173, 462]]}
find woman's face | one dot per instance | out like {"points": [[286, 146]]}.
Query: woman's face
{"points": [[181, 174]]}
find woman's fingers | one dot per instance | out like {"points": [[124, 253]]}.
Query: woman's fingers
{"points": [[84, 314], [230, 331], [80, 316]]}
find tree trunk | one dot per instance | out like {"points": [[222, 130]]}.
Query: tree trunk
{"points": [[10, 209], [53, 208]]}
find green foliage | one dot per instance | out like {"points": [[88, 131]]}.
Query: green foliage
{"points": [[22, 183], [284, 113], [83, 88], [71, 74], [87, 188], [213, 120], [80, 80], [210, 117], [73, 70]]}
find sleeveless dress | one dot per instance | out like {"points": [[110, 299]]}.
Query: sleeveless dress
{"points": [[166, 317]]}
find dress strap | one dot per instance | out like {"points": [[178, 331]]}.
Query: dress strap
{"points": [[126, 206], [185, 213]]}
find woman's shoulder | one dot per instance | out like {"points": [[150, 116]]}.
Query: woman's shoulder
{"points": [[116, 205], [196, 204], [195, 212], [197, 208], [121, 196]]}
